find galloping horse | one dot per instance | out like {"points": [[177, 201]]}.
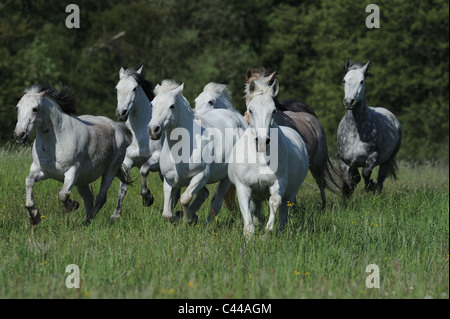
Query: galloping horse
{"points": [[269, 161], [301, 118], [367, 136], [204, 149], [73, 150], [134, 94]]}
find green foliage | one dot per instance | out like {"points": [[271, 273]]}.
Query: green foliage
{"points": [[202, 41]]}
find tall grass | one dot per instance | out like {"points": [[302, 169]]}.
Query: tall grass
{"points": [[321, 254]]}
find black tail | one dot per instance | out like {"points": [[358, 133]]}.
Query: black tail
{"points": [[123, 176], [393, 169], [334, 179]]}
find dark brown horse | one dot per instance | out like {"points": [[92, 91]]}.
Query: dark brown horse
{"points": [[301, 117]]}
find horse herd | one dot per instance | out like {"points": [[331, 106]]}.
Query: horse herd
{"points": [[264, 154]]}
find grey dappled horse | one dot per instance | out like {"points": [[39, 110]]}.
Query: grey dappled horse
{"points": [[367, 136]]}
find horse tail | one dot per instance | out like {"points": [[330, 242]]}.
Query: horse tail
{"points": [[393, 169], [334, 180], [229, 198], [126, 132], [123, 175]]}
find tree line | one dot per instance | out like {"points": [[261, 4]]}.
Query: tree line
{"points": [[196, 42]]}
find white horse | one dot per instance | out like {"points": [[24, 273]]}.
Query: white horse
{"points": [[269, 161], [216, 96], [73, 150], [134, 94], [205, 145]]}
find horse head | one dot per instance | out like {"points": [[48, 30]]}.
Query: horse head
{"points": [[28, 114], [354, 83], [260, 111], [127, 90], [165, 107]]}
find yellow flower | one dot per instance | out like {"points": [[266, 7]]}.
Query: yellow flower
{"points": [[296, 272], [171, 291], [87, 293], [190, 284], [42, 217], [307, 273]]}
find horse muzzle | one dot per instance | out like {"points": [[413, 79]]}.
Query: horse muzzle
{"points": [[20, 135], [262, 144], [154, 132], [122, 115], [349, 103]]}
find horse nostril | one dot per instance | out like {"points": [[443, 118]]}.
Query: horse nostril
{"points": [[352, 101], [124, 112]]}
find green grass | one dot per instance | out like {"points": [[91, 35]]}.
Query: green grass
{"points": [[404, 230]]}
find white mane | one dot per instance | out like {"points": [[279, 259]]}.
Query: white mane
{"points": [[165, 86]]}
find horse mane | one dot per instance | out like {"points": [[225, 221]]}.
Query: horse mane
{"points": [[65, 97], [165, 86], [217, 88], [146, 85]]}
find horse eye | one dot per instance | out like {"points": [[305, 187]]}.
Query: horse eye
{"points": [[250, 111], [361, 82], [211, 102], [172, 106], [135, 89], [35, 109], [274, 111]]}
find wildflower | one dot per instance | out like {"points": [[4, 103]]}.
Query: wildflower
{"points": [[296, 272], [171, 291], [190, 284], [42, 217], [307, 273], [87, 293]]}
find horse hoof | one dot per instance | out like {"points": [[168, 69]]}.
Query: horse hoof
{"points": [[114, 217], [147, 199], [35, 219], [72, 206], [86, 222], [177, 217]]}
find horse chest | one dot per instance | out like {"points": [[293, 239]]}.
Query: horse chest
{"points": [[355, 143]]}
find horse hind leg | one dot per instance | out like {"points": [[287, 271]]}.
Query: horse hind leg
{"points": [[370, 163], [218, 197], [100, 200], [64, 194], [350, 178], [85, 192], [386, 168]]}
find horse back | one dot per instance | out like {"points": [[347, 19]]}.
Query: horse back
{"points": [[294, 106]]}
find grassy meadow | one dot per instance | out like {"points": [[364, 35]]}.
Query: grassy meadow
{"points": [[404, 231]]}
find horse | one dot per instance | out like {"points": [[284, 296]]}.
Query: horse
{"points": [[306, 123], [134, 94], [205, 145], [284, 105], [73, 150], [256, 174], [367, 136], [216, 96]]}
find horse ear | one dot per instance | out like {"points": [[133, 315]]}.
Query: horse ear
{"points": [[121, 72], [275, 87], [249, 75], [139, 71], [42, 94], [365, 70], [268, 78], [251, 87], [348, 63], [179, 89]]}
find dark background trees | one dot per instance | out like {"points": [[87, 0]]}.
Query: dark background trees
{"points": [[196, 42]]}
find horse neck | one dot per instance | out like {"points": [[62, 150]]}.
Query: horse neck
{"points": [[359, 112], [140, 115], [54, 122], [184, 119]]}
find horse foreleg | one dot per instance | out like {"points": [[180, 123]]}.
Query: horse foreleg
{"points": [[274, 204], [35, 175], [197, 182], [351, 178], [64, 194], [171, 196], [369, 165], [217, 200], [244, 199], [147, 196]]}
